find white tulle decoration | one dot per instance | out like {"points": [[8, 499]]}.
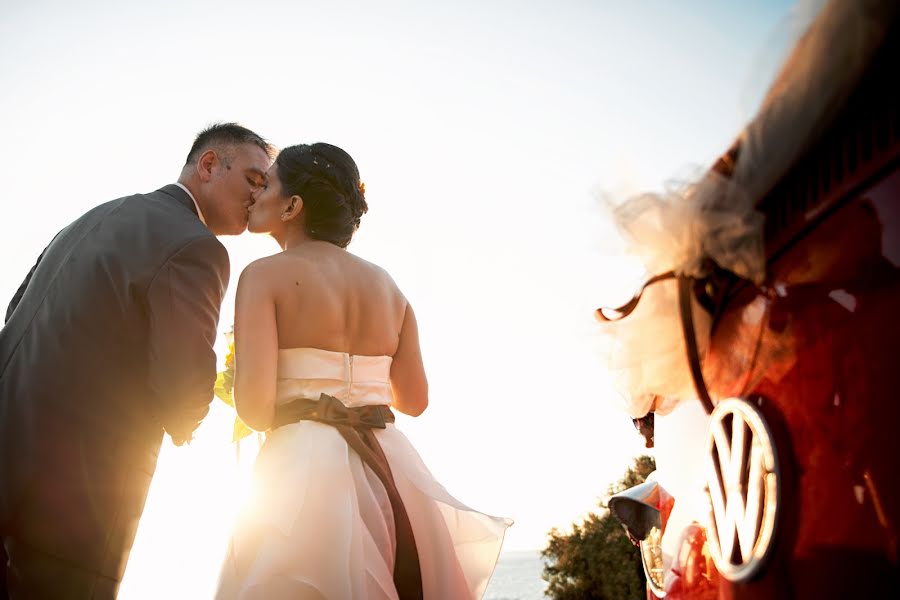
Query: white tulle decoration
{"points": [[676, 231], [714, 217]]}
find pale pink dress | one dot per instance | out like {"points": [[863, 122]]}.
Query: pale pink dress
{"points": [[320, 525]]}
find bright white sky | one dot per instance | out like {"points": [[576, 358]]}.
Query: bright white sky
{"points": [[482, 130]]}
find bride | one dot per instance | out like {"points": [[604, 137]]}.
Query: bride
{"points": [[342, 505]]}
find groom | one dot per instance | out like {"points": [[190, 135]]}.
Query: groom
{"points": [[107, 344]]}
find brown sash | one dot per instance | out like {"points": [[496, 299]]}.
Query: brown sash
{"points": [[355, 425]]}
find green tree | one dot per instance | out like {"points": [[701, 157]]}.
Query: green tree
{"points": [[596, 561]]}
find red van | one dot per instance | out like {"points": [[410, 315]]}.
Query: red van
{"points": [[792, 453]]}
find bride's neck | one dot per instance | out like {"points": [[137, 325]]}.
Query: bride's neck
{"points": [[295, 238]]}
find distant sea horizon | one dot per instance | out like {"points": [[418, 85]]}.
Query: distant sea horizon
{"points": [[517, 577]]}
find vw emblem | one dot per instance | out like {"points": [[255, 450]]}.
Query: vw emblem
{"points": [[743, 484]]}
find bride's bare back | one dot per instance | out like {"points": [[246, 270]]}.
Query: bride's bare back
{"points": [[318, 295], [327, 298]]}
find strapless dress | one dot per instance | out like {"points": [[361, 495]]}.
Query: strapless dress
{"points": [[319, 523]]}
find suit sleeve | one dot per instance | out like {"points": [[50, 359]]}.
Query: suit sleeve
{"points": [[183, 302], [21, 291]]}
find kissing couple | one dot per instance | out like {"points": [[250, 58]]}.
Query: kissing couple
{"points": [[108, 345]]}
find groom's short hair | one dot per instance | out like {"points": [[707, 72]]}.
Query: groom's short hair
{"points": [[222, 135]]}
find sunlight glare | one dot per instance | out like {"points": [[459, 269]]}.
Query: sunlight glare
{"points": [[193, 501]]}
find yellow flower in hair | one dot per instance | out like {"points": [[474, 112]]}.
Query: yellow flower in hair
{"points": [[362, 188]]}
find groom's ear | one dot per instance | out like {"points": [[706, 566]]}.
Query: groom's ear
{"points": [[205, 165], [293, 208]]}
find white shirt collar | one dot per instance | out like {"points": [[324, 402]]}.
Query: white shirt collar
{"points": [[194, 200]]}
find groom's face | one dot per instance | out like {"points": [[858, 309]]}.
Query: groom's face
{"points": [[236, 177]]}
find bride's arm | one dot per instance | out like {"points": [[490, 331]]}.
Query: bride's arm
{"points": [[408, 382], [255, 348]]}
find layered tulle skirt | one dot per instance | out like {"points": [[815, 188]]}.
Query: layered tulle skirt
{"points": [[319, 524]]}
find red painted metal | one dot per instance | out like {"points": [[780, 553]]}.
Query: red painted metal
{"points": [[818, 349]]}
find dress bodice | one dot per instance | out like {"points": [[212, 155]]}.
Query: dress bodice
{"points": [[354, 380]]}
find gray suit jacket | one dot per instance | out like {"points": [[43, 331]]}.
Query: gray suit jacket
{"points": [[108, 342]]}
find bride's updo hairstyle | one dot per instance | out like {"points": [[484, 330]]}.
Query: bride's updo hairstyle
{"points": [[327, 179]]}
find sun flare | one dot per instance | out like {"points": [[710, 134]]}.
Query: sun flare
{"points": [[193, 501]]}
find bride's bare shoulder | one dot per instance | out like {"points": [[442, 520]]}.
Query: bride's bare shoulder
{"points": [[368, 265], [377, 272], [262, 270]]}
